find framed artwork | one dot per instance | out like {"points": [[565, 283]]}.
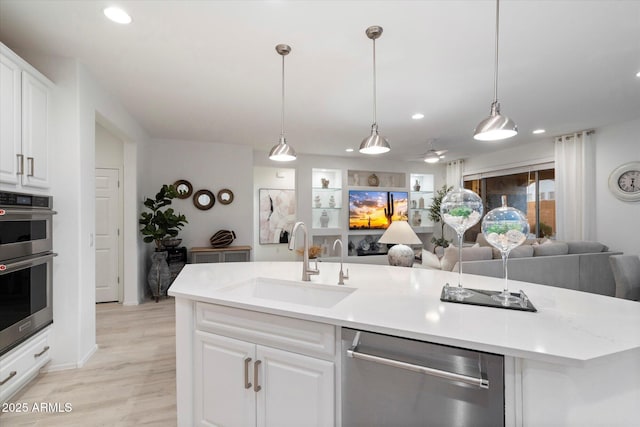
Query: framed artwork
{"points": [[277, 215]]}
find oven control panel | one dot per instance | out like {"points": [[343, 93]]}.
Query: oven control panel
{"points": [[10, 199]]}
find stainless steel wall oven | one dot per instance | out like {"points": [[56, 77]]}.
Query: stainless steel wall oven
{"points": [[26, 266]]}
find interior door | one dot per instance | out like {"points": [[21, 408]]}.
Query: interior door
{"points": [[107, 235]]}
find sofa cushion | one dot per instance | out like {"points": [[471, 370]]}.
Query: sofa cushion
{"points": [[585, 247], [430, 260], [474, 253], [522, 251], [551, 248]]}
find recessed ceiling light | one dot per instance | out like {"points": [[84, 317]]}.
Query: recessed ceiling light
{"points": [[538, 131], [417, 116], [638, 74], [349, 150], [117, 15]]}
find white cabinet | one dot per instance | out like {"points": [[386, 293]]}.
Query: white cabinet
{"points": [[25, 114], [256, 369], [23, 363]]}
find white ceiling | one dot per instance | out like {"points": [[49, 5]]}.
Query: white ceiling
{"points": [[208, 71]]}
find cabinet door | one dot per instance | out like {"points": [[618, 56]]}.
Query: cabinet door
{"points": [[236, 256], [36, 100], [10, 137], [296, 390], [221, 395]]}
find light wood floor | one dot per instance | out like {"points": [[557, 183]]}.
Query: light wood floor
{"points": [[129, 381]]}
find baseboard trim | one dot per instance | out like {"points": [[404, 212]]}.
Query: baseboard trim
{"points": [[87, 356]]}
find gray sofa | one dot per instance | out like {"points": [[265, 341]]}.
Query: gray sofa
{"points": [[573, 268]]}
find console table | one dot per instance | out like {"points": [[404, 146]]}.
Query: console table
{"points": [[227, 254]]}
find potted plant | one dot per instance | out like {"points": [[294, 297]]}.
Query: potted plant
{"points": [[158, 225], [434, 215]]}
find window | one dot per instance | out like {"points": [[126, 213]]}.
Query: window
{"points": [[531, 192]]}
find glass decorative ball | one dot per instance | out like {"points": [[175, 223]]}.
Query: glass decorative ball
{"points": [[505, 227], [461, 209]]}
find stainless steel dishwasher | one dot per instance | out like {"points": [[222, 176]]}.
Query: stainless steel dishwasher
{"points": [[395, 382]]}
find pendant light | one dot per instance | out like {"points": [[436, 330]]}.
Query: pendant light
{"points": [[496, 126], [374, 143], [282, 152]]}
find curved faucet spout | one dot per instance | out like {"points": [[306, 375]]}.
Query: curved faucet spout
{"points": [[341, 275], [307, 271]]}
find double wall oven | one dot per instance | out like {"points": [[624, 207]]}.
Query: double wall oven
{"points": [[26, 266]]}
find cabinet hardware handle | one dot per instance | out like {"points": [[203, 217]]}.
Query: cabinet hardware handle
{"points": [[11, 375], [247, 384], [256, 387], [20, 164], [31, 162], [451, 376], [44, 350]]}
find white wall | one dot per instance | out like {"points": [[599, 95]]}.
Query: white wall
{"points": [[77, 100], [209, 166], [511, 157], [617, 222]]}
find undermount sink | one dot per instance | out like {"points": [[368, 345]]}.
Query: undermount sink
{"points": [[305, 293]]}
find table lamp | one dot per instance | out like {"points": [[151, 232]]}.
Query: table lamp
{"points": [[400, 233]]}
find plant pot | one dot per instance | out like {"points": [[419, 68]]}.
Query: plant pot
{"points": [[159, 277]]}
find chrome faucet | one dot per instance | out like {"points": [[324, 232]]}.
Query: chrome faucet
{"points": [[307, 271], [341, 275]]}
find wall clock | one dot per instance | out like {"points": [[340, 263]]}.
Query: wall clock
{"points": [[624, 182]]}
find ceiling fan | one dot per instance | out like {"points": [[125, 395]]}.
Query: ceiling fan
{"points": [[432, 155]]}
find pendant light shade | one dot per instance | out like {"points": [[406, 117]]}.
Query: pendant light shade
{"points": [[495, 127], [282, 152], [374, 143]]}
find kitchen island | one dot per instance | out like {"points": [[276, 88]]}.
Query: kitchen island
{"points": [[576, 361]]}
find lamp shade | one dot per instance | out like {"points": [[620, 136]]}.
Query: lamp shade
{"points": [[282, 152], [400, 232], [374, 143]]}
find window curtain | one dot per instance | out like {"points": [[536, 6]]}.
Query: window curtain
{"points": [[454, 173], [575, 186]]}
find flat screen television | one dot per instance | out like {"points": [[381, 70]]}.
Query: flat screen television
{"points": [[367, 208]]}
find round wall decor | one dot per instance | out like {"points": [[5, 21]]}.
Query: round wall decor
{"points": [[204, 200], [225, 196], [184, 188], [624, 182]]}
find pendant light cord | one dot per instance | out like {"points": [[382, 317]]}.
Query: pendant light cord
{"points": [[375, 119], [495, 70], [282, 115]]}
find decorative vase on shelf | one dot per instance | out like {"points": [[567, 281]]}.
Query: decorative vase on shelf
{"points": [[414, 204], [325, 183], [461, 209], [324, 219], [421, 202], [416, 186], [332, 202], [356, 179], [505, 228], [317, 202]]}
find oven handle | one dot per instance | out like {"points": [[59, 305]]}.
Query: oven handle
{"points": [[452, 376], [34, 212], [5, 268]]}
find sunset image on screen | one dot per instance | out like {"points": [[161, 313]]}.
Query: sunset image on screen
{"points": [[367, 209]]}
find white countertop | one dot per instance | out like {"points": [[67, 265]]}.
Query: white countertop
{"points": [[570, 327]]}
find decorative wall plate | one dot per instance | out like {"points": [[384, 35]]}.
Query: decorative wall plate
{"points": [[204, 200], [373, 180], [624, 182], [225, 196], [184, 188]]}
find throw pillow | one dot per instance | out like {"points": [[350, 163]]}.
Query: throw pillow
{"points": [[584, 247], [473, 253], [430, 260], [551, 248]]}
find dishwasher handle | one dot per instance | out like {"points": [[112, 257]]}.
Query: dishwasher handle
{"points": [[452, 376]]}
